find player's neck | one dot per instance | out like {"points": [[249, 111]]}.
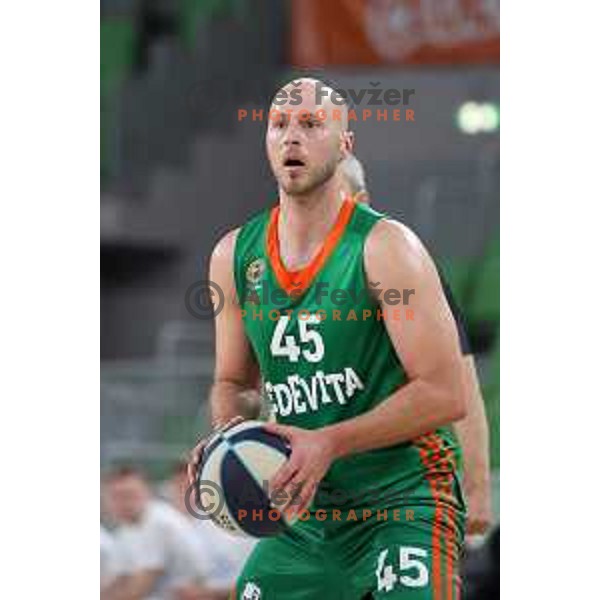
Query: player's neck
{"points": [[304, 223]]}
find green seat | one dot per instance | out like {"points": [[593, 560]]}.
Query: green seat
{"points": [[483, 302], [117, 47], [181, 430], [456, 272], [193, 12], [117, 50]]}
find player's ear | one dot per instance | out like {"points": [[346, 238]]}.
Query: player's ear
{"points": [[347, 142]]}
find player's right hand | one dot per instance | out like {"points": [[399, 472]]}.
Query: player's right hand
{"points": [[195, 460]]}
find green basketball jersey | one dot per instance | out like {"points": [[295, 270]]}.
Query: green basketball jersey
{"points": [[320, 340]]}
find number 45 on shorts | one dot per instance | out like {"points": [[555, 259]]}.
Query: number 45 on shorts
{"points": [[410, 570]]}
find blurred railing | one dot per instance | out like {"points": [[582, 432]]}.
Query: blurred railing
{"points": [[151, 411]]}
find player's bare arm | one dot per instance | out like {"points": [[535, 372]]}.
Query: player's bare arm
{"points": [[472, 431], [234, 395], [236, 379], [473, 436], [428, 348]]}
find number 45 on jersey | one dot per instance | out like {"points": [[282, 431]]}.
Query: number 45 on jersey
{"points": [[310, 345]]}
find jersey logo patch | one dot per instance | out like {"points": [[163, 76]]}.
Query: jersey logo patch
{"points": [[255, 270], [251, 591]]}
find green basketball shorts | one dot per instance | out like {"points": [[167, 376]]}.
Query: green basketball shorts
{"points": [[406, 550]]}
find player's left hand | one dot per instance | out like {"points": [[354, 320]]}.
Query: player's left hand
{"points": [[479, 511], [297, 479]]}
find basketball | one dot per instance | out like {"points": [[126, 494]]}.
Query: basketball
{"points": [[233, 483]]}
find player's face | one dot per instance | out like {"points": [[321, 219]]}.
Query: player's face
{"points": [[304, 143], [127, 498]]}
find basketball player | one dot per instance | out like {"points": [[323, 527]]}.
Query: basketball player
{"points": [[472, 431], [364, 398]]}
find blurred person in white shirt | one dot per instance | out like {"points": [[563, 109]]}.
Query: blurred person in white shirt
{"points": [[223, 554], [109, 561], [157, 558]]}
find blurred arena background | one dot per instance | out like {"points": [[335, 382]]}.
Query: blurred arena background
{"points": [[178, 169]]}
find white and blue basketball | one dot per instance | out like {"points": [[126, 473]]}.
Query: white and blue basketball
{"points": [[237, 465]]}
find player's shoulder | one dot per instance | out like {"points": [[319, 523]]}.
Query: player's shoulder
{"points": [[225, 246], [393, 252], [390, 238], [222, 257]]}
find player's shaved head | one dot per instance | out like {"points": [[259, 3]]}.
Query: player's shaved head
{"points": [[321, 94], [307, 135]]}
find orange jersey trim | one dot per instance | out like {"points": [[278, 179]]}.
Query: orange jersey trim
{"points": [[298, 281]]}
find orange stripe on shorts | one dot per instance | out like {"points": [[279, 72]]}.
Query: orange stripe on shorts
{"points": [[425, 444], [430, 449]]}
